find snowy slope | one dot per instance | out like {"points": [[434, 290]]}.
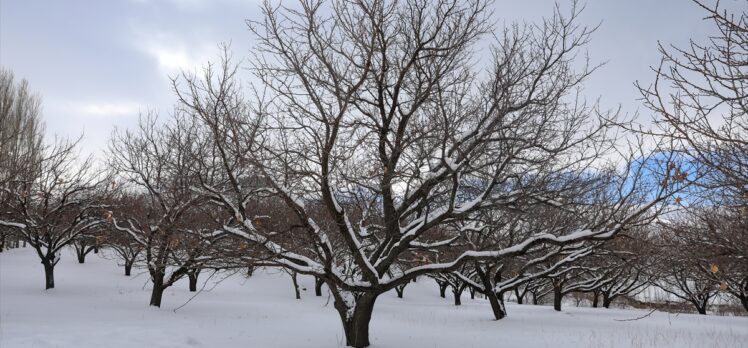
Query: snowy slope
{"points": [[95, 305]]}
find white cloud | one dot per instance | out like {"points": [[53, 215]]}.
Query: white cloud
{"points": [[172, 53], [171, 59], [104, 109]]}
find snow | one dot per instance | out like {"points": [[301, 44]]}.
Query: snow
{"points": [[95, 305]]}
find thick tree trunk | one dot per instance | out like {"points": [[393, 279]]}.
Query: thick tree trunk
{"points": [[496, 300], [497, 305], [356, 321], [517, 295], [607, 299], [158, 290], [96, 249], [595, 296], [557, 296], [534, 298], [128, 267], [49, 275], [744, 301], [700, 306], [318, 286], [193, 279]]}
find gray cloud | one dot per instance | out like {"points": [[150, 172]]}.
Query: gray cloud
{"points": [[98, 63]]}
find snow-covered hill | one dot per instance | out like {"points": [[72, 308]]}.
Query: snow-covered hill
{"points": [[95, 305]]}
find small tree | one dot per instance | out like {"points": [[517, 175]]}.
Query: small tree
{"points": [[166, 219], [705, 254], [627, 265], [55, 204], [575, 278]]}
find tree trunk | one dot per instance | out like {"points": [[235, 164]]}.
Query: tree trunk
{"points": [[519, 298], [607, 299], [443, 290], [318, 286], [700, 306], [400, 289], [744, 301], [497, 303], [534, 298], [96, 249], [472, 292], [128, 267], [158, 290], [193, 279], [250, 270], [557, 296], [295, 285], [81, 253], [356, 322], [497, 306], [49, 275], [595, 296], [457, 292]]}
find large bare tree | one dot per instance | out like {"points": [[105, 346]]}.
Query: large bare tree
{"points": [[375, 112]]}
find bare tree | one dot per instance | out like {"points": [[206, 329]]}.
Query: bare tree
{"points": [[705, 251], [55, 204], [124, 246], [453, 280], [700, 99], [20, 137], [374, 112], [162, 163], [719, 238], [575, 278], [627, 265], [85, 243]]}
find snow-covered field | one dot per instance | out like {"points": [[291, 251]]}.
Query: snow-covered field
{"points": [[95, 305]]}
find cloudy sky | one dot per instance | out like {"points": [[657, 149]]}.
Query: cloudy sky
{"points": [[98, 63]]}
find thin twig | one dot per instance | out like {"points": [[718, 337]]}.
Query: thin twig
{"points": [[201, 289], [642, 317]]}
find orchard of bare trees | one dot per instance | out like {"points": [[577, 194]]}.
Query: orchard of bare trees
{"points": [[371, 151]]}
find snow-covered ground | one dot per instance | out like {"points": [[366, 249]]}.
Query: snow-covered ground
{"points": [[95, 305]]}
